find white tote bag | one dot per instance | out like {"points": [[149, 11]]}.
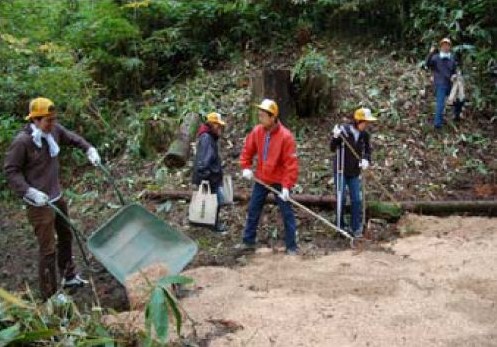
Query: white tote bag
{"points": [[457, 90], [228, 189], [203, 206]]}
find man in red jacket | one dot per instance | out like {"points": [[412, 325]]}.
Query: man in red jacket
{"points": [[277, 165]]}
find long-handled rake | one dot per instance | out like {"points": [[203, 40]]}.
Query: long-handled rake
{"points": [[312, 213], [340, 183]]}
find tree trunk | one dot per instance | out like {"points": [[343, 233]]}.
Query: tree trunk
{"points": [[377, 209], [179, 150], [275, 85]]}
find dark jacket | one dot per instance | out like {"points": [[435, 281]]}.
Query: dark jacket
{"points": [[443, 69], [207, 164], [362, 147], [26, 165]]}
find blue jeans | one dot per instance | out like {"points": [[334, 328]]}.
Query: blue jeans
{"points": [[259, 194], [354, 188], [220, 195], [441, 93], [220, 202]]}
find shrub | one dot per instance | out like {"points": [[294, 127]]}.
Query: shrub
{"points": [[313, 81]]}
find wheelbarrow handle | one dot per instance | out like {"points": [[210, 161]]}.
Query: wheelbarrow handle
{"points": [[77, 234], [312, 213], [112, 181]]}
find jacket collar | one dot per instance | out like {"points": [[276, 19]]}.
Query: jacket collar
{"points": [[274, 129], [205, 128]]}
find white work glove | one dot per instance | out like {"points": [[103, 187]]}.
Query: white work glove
{"points": [[93, 156], [337, 130], [247, 174], [284, 195], [36, 196], [364, 164]]}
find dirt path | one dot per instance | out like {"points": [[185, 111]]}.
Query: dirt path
{"points": [[438, 288]]}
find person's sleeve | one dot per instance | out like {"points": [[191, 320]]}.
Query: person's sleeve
{"points": [[290, 163], [367, 147], [205, 156], [14, 162], [335, 142], [70, 138], [248, 151], [430, 62]]}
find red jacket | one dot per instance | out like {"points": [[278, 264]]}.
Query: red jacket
{"points": [[280, 164]]}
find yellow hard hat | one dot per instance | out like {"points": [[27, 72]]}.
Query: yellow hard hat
{"points": [[268, 105], [40, 107], [364, 114], [446, 40], [215, 118]]}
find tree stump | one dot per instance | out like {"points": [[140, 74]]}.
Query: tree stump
{"points": [[275, 85]]}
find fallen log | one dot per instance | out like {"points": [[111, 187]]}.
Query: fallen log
{"points": [[179, 150], [243, 196], [375, 209], [441, 208]]}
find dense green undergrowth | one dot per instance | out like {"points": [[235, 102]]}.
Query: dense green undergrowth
{"points": [[107, 64]]}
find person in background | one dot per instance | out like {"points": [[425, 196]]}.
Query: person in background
{"points": [[352, 142], [32, 170], [277, 165], [444, 67], [207, 165]]}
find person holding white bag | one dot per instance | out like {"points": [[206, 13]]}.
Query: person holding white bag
{"points": [[207, 165]]}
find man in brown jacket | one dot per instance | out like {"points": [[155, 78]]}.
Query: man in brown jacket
{"points": [[32, 170]]}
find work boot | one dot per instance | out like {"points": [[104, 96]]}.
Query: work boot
{"points": [[220, 229], [357, 235], [245, 247], [75, 282]]}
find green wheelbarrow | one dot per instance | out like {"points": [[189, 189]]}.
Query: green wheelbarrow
{"points": [[134, 238]]}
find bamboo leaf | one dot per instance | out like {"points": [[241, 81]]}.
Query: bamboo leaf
{"points": [[157, 313], [36, 335], [9, 334], [175, 279], [174, 307], [12, 299]]}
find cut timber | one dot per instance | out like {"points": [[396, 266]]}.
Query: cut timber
{"points": [[179, 151], [376, 209], [276, 85]]}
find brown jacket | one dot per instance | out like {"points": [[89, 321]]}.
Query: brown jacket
{"points": [[26, 165]]}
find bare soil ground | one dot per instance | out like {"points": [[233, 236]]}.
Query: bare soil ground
{"points": [[437, 287]]}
